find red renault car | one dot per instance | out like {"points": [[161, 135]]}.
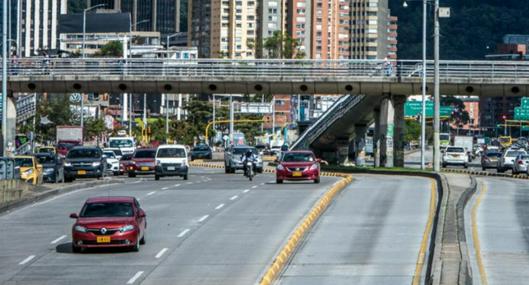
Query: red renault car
{"points": [[298, 165], [142, 162], [109, 222]]}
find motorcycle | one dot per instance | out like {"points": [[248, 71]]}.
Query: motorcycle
{"points": [[249, 170]]}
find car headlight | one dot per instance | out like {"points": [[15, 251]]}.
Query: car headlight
{"points": [[67, 164], [96, 164], [28, 172], [314, 166], [280, 167], [48, 170], [126, 228], [158, 162], [79, 228]]}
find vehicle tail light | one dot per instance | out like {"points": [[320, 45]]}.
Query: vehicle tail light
{"points": [[520, 162]]}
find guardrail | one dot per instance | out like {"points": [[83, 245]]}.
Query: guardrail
{"points": [[307, 69], [336, 111], [11, 190]]}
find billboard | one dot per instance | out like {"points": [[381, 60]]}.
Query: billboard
{"points": [[95, 23]]}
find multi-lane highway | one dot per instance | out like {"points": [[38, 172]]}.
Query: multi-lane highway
{"points": [[497, 228], [372, 234], [223, 229]]}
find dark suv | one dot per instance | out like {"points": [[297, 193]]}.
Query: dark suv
{"points": [[84, 161]]}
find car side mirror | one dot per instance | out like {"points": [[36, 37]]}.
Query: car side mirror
{"points": [[74, 216], [318, 160], [141, 214]]}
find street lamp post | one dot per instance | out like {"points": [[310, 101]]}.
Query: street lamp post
{"points": [[4, 79], [437, 91], [84, 24]]}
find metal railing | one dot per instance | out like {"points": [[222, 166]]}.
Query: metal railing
{"points": [[317, 70], [335, 112]]}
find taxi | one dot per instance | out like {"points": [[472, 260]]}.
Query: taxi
{"points": [[30, 170]]}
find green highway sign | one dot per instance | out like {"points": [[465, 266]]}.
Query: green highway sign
{"points": [[414, 108], [522, 113]]}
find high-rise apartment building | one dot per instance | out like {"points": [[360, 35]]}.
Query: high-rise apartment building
{"points": [[299, 24], [33, 29], [230, 31], [271, 18]]}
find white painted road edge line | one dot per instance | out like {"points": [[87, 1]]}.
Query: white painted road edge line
{"points": [[161, 252], [255, 186], [58, 239], [135, 277], [234, 197], [219, 206], [183, 233], [203, 218], [28, 259], [150, 193], [176, 185], [165, 188], [189, 183], [246, 191]]}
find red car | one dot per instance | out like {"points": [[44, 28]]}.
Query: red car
{"points": [[142, 162], [298, 165], [124, 163], [109, 222]]}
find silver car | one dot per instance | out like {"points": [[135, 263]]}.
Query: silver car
{"points": [[520, 164], [507, 160]]}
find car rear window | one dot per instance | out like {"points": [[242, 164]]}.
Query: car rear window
{"points": [[455, 149], [244, 150], [24, 162], [203, 147], [126, 157], [145, 154], [524, 157], [107, 209], [514, 153], [44, 159], [298, 157], [171, 152], [493, 154]]}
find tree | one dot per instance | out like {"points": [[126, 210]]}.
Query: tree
{"points": [[282, 46], [111, 49], [94, 128]]}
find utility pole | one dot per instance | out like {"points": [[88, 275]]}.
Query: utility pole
{"points": [[437, 91], [166, 117], [4, 79], [231, 119], [423, 113], [214, 113]]}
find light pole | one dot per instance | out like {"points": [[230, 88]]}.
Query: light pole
{"points": [[214, 113], [231, 119], [84, 23], [169, 37], [437, 91], [4, 79], [423, 89], [166, 117]]}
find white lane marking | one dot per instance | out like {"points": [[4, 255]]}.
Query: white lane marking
{"points": [[234, 197], [255, 186], [246, 191], [183, 233], [189, 183], [219, 206], [58, 239], [165, 188], [135, 277], [271, 181], [161, 252], [28, 259], [262, 184], [203, 218], [176, 185], [150, 193]]}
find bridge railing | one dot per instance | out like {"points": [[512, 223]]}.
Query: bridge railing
{"points": [[308, 69]]}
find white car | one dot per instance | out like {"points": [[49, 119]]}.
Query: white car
{"points": [[455, 155], [507, 160], [171, 160], [117, 152], [521, 164], [112, 162]]}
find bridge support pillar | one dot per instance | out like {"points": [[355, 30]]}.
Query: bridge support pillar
{"points": [[376, 138], [359, 144], [398, 135], [386, 132]]}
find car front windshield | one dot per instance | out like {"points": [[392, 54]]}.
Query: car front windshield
{"points": [[145, 154], [109, 154], [84, 153], [241, 151], [171, 152], [107, 209], [298, 157], [126, 157], [24, 162], [493, 154], [120, 143], [201, 148]]}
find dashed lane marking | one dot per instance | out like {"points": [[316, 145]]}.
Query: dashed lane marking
{"points": [[161, 252], [150, 193], [28, 259], [183, 233], [203, 218], [135, 277], [219, 207], [234, 197], [58, 239]]}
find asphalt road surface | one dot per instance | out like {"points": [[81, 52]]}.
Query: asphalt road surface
{"points": [[497, 229], [212, 229], [372, 234]]}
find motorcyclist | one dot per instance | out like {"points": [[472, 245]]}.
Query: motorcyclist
{"points": [[248, 156]]}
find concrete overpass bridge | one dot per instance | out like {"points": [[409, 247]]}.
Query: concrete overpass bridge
{"points": [[376, 90], [355, 77]]}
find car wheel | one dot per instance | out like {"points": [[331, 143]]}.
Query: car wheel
{"points": [[156, 177], [76, 249], [484, 168], [500, 170], [444, 165], [317, 180], [132, 175], [279, 181], [68, 179], [465, 166], [259, 170], [226, 170], [185, 177], [57, 180]]}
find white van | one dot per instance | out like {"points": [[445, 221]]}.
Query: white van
{"points": [[171, 160], [127, 145]]}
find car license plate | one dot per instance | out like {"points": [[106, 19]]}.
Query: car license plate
{"points": [[297, 173], [171, 168], [103, 239], [144, 168], [81, 172]]}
